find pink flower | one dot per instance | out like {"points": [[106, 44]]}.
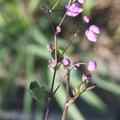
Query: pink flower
{"points": [[92, 65], [91, 33], [95, 29], [86, 19], [66, 62], [50, 47], [74, 9], [81, 1]]}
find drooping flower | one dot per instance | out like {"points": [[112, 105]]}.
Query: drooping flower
{"points": [[86, 19], [91, 66], [95, 29], [91, 33], [74, 9]]}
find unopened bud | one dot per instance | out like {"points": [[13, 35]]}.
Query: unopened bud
{"points": [[92, 65], [50, 47], [66, 62]]}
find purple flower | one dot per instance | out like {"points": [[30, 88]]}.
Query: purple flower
{"points": [[86, 19], [95, 29], [92, 65], [81, 1], [74, 9], [66, 62], [91, 33]]}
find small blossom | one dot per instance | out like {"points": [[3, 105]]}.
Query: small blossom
{"points": [[91, 33], [95, 29], [66, 62], [81, 1], [92, 65], [86, 19], [50, 47], [74, 9]]}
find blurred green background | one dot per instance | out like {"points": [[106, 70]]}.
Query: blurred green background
{"points": [[24, 33]]}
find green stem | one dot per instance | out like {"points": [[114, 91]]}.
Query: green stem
{"points": [[64, 115], [55, 5]]}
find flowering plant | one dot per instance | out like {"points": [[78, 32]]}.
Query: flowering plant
{"points": [[58, 60]]}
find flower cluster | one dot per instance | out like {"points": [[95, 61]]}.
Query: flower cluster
{"points": [[58, 61], [74, 10]]}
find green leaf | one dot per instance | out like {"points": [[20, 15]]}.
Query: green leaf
{"points": [[59, 55], [36, 91]]}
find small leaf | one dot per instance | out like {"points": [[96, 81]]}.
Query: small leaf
{"points": [[36, 91], [34, 84], [59, 55]]}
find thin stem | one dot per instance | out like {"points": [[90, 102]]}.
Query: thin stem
{"points": [[64, 115], [76, 65], [56, 4], [64, 14], [56, 90], [58, 86], [55, 44], [67, 86], [70, 42], [53, 80], [48, 108]]}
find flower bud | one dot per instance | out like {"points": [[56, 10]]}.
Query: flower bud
{"points": [[92, 65], [66, 62], [58, 29], [87, 77], [95, 29], [50, 47], [86, 19]]}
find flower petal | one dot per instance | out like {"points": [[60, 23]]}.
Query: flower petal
{"points": [[81, 1], [86, 19], [74, 9], [91, 35], [95, 29]]}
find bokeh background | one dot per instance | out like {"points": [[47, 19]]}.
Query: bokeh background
{"points": [[24, 33]]}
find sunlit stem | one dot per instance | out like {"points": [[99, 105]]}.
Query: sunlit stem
{"points": [[64, 115], [55, 45], [65, 14], [70, 42], [56, 4], [73, 66]]}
